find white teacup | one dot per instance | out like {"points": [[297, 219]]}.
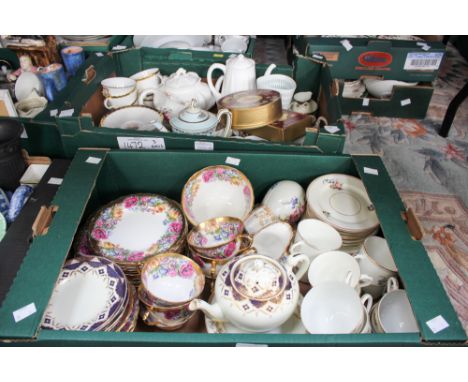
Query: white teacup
{"points": [[116, 102], [375, 259], [259, 218], [334, 307], [303, 103], [232, 43], [337, 266], [314, 237], [393, 313], [117, 86], [286, 199], [148, 79], [273, 240]]}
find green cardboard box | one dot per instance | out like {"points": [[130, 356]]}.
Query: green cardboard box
{"points": [[120, 41], [82, 128], [98, 176], [391, 59]]}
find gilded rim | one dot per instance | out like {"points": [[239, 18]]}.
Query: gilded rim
{"points": [[199, 172], [366, 252], [101, 122], [157, 71], [134, 265], [200, 228], [149, 263], [120, 96]]}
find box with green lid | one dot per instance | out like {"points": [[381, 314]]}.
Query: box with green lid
{"points": [[82, 128], [96, 177]]}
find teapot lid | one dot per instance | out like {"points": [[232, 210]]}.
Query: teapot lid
{"points": [[193, 119], [182, 79], [258, 277], [193, 114], [240, 61]]}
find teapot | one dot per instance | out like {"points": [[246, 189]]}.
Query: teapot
{"points": [[255, 293], [194, 120], [177, 92], [239, 74]]}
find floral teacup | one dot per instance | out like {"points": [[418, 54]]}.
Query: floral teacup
{"points": [[219, 238], [171, 279]]}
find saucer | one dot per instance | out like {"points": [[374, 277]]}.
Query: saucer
{"points": [[292, 326]]}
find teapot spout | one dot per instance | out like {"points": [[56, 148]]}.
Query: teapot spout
{"points": [[211, 310]]}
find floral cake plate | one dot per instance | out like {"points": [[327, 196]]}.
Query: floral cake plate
{"points": [[88, 295], [135, 227]]}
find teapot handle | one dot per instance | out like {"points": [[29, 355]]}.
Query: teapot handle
{"points": [[300, 261], [219, 83], [227, 128], [209, 78], [269, 69]]}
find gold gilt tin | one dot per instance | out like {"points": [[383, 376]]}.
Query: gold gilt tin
{"points": [[252, 108]]}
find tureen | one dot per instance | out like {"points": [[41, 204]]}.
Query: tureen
{"points": [[194, 120], [255, 293], [178, 91]]}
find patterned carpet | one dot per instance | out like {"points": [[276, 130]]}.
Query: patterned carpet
{"points": [[431, 174]]}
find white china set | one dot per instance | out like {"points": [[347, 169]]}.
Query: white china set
{"points": [[376, 87], [260, 260]]}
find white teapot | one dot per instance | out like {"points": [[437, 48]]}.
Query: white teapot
{"points": [[239, 75], [256, 293], [177, 92]]}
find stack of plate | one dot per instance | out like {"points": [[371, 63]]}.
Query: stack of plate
{"points": [[92, 294], [342, 201], [135, 227]]}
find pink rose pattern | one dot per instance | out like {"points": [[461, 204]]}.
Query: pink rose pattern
{"points": [[173, 220], [173, 267]]}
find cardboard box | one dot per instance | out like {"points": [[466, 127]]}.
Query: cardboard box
{"points": [[104, 45], [91, 183], [392, 59]]}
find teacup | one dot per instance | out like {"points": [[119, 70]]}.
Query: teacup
{"points": [[286, 200], [116, 102], [337, 266], [375, 259], [171, 279], [353, 89], [147, 79], [209, 266], [232, 43], [314, 237], [393, 313], [219, 238], [303, 103], [117, 86], [259, 218], [334, 307], [273, 240]]}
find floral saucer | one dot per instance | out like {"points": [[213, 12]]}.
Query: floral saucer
{"points": [[292, 326], [135, 227]]}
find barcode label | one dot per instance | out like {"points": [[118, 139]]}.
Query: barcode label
{"points": [[423, 61]]}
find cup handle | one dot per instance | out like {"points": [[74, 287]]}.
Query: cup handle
{"points": [[270, 69], [365, 280], [107, 105], [294, 249], [245, 239], [367, 301], [145, 315], [300, 261], [209, 78], [392, 284], [227, 128], [144, 94]]}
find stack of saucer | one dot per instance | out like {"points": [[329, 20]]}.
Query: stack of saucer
{"points": [[135, 227], [92, 294], [342, 202]]}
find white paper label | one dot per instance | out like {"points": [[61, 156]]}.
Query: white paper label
{"points": [[426, 47], [406, 101], [207, 146], [93, 160], [437, 324], [332, 129], [371, 171], [67, 113], [244, 345], [423, 61], [24, 134], [365, 101], [53, 113], [99, 54], [317, 56], [139, 143], [233, 161], [57, 181], [119, 47], [346, 44], [24, 312]]}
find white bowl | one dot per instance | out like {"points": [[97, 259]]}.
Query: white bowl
{"points": [[285, 85], [395, 313], [384, 88], [132, 118], [217, 191]]}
